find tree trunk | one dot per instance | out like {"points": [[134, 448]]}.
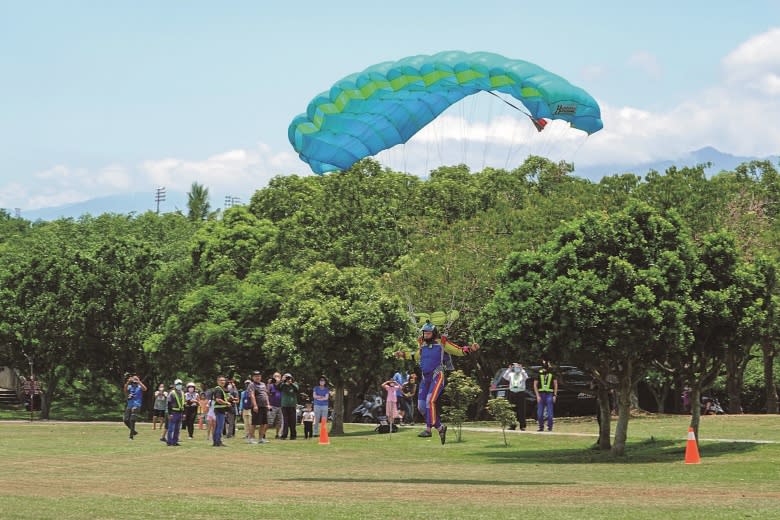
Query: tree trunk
{"points": [[605, 415], [634, 396], [624, 412], [48, 394], [735, 373], [769, 376], [337, 426], [695, 411]]}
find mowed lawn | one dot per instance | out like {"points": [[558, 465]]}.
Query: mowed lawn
{"points": [[91, 470]]}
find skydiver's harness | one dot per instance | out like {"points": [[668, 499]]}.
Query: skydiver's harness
{"points": [[445, 363]]}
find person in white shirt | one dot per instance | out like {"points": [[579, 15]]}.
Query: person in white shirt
{"points": [[516, 375]]}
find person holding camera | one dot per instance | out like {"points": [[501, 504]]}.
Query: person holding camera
{"points": [[289, 390], [516, 375], [134, 391]]}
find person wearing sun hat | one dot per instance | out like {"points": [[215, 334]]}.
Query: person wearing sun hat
{"points": [[190, 408]]}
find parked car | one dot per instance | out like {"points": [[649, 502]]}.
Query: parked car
{"points": [[576, 395]]}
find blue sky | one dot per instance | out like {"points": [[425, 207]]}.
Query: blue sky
{"points": [[107, 97]]}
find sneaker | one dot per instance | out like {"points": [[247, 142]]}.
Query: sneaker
{"points": [[131, 436], [540, 430], [251, 441], [443, 433], [262, 441], [135, 432], [163, 439], [424, 433]]}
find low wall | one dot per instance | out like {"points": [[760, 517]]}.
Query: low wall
{"points": [[10, 380]]}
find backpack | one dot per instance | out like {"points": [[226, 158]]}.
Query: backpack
{"points": [[384, 425], [246, 402]]}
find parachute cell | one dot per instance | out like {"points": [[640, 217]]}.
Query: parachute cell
{"points": [[388, 103]]}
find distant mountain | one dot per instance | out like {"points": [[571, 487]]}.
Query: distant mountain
{"points": [[720, 161], [123, 203], [177, 201]]}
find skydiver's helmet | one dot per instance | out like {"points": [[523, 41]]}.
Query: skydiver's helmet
{"points": [[429, 327]]}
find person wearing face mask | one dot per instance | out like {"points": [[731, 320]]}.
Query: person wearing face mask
{"points": [[175, 412], [134, 391], [160, 407], [320, 396], [190, 408], [517, 376]]}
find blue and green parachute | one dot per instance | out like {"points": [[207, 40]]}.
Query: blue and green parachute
{"points": [[388, 103]]}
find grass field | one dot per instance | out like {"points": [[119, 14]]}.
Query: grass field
{"points": [[91, 470]]}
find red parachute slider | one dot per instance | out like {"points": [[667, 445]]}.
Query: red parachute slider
{"points": [[538, 123]]}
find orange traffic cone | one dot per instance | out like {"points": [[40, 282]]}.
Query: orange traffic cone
{"points": [[324, 439], [692, 449]]}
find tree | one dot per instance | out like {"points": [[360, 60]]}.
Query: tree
{"points": [[460, 392], [198, 205], [720, 316], [606, 293], [503, 412], [340, 323]]}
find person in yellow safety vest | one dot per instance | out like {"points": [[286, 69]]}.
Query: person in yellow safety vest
{"points": [[175, 413], [222, 401], [546, 390]]}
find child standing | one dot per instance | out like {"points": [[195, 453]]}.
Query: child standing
{"points": [[160, 407], [391, 403], [308, 421]]}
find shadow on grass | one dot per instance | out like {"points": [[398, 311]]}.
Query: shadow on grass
{"points": [[648, 451], [454, 482]]}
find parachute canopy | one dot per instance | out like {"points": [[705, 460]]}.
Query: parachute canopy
{"points": [[388, 103]]}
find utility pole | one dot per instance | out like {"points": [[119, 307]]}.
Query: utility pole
{"points": [[159, 196], [231, 201]]}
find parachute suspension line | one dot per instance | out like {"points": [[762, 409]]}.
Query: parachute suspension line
{"points": [[540, 124], [515, 126], [403, 150], [579, 147], [487, 134], [463, 139]]}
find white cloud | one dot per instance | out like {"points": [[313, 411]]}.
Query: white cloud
{"points": [[647, 63], [755, 64], [236, 171]]}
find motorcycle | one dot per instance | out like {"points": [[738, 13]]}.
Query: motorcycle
{"points": [[711, 406], [369, 410]]}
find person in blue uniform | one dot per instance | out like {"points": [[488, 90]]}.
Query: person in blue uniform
{"points": [[435, 357]]}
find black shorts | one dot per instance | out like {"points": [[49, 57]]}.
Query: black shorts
{"points": [[158, 413], [260, 417]]}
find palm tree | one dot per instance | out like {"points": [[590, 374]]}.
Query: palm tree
{"points": [[198, 202]]}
